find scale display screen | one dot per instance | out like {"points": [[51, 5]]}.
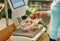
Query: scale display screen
{"points": [[17, 3]]}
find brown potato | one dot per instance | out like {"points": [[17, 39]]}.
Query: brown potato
{"points": [[30, 21]]}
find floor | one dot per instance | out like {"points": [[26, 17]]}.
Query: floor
{"points": [[3, 25]]}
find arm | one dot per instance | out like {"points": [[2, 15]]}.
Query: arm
{"points": [[6, 33], [45, 13], [40, 14]]}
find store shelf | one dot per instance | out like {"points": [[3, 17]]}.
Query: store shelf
{"points": [[41, 4]]}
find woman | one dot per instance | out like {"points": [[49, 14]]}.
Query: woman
{"points": [[54, 13]]}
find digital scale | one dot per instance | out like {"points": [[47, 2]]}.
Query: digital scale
{"points": [[18, 10]]}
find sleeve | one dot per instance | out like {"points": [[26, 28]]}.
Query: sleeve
{"points": [[49, 13], [58, 36]]}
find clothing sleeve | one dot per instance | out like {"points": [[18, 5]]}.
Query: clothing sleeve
{"points": [[49, 13], [58, 36]]}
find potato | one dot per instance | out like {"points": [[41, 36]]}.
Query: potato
{"points": [[30, 21]]}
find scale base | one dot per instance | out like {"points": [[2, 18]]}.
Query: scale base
{"points": [[22, 38]]}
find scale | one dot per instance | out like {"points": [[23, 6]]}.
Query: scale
{"points": [[18, 11]]}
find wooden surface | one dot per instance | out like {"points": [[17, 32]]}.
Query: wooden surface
{"points": [[44, 37], [6, 33]]}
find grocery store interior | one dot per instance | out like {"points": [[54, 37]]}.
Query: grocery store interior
{"points": [[10, 20]]}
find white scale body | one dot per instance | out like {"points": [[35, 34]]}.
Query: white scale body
{"points": [[17, 12]]}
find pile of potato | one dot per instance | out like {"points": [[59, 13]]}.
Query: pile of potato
{"points": [[29, 26]]}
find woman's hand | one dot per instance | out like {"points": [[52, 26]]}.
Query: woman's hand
{"points": [[38, 14], [35, 15]]}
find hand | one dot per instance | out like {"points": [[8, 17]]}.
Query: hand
{"points": [[58, 39], [35, 15], [38, 14]]}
